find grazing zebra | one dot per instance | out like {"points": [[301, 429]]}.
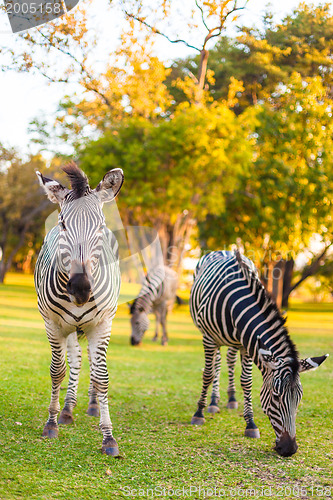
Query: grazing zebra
{"points": [[157, 293], [77, 280], [231, 307]]}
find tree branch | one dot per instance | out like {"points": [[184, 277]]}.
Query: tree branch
{"points": [[311, 269], [158, 32], [84, 70], [202, 15]]}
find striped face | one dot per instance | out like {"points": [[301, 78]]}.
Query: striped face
{"points": [[139, 323], [280, 396], [81, 223]]}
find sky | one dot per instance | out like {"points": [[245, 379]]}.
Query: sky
{"points": [[25, 96]]}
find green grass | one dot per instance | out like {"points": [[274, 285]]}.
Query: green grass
{"points": [[153, 393]]}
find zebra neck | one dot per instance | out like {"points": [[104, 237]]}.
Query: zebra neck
{"points": [[275, 338], [143, 303], [151, 290]]}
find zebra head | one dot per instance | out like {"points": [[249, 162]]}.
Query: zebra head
{"points": [[81, 226], [281, 394], [139, 322]]}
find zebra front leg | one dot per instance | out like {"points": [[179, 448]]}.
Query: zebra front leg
{"points": [[214, 402], [231, 362], [207, 379], [251, 430], [74, 361], [57, 372], [93, 407], [98, 344]]}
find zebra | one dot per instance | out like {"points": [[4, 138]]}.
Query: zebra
{"points": [[77, 280], [231, 307], [157, 293]]}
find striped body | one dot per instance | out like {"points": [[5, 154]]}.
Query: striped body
{"points": [[232, 308], [157, 295]]}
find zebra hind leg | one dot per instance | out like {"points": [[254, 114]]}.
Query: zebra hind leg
{"points": [[164, 314], [93, 407], [251, 430], [57, 372], [74, 361], [157, 322], [231, 362], [207, 379], [214, 402]]}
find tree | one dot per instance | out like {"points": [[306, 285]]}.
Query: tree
{"points": [[262, 58], [287, 195], [23, 207], [175, 170], [207, 19]]}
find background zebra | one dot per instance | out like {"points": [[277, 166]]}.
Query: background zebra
{"points": [[231, 307], [77, 280], [157, 294]]}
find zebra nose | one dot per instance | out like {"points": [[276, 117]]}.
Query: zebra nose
{"points": [[79, 287], [134, 341], [286, 446]]}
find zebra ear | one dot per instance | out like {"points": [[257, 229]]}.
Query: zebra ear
{"points": [[55, 191], [266, 356], [311, 363], [110, 186]]}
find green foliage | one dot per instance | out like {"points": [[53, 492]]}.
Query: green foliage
{"points": [[153, 394], [188, 162], [23, 207], [288, 193], [262, 58]]}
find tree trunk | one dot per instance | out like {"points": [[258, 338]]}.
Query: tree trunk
{"points": [[2, 271], [202, 74], [288, 275], [275, 281], [179, 236], [278, 275]]}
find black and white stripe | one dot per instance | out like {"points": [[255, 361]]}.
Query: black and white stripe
{"points": [[231, 307], [77, 279], [157, 294]]}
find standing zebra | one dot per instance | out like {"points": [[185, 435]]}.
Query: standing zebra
{"points": [[77, 280], [231, 307], [157, 293]]}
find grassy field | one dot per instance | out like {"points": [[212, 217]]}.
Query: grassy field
{"points": [[153, 393]]}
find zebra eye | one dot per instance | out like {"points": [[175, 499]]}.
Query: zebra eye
{"points": [[62, 225]]}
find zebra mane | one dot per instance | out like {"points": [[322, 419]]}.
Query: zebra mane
{"points": [[78, 179], [271, 311]]}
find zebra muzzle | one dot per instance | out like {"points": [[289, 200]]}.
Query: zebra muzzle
{"points": [[286, 446], [79, 289]]}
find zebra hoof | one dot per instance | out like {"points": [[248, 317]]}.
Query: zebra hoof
{"points": [[50, 431], [110, 447], [197, 421], [164, 342], [213, 409], [93, 410], [232, 405], [65, 418], [252, 433]]}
